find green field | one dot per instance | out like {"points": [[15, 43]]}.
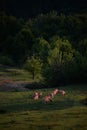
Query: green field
{"points": [[19, 111]]}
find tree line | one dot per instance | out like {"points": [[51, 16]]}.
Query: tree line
{"points": [[57, 44]]}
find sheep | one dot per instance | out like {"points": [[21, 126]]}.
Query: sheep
{"points": [[51, 94], [62, 92], [47, 99], [37, 95], [34, 94], [55, 91]]}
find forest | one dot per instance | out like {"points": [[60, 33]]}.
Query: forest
{"points": [[51, 45]]}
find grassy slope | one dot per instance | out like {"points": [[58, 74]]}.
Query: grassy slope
{"points": [[64, 113], [14, 74]]}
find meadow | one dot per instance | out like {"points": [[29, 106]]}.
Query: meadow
{"points": [[19, 111]]}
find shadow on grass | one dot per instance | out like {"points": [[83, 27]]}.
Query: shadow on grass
{"points": [[39, 105]]}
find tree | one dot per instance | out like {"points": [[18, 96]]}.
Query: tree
{"points": [[21, 45], [33, 65], [59, 60], [82, 47], [41, 49]]}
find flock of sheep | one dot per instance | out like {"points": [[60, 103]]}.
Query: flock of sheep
{"points": [[49, 97]]}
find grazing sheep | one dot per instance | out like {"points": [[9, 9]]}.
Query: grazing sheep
{"points": [[34, 94], [62, 92], [51, 94], [37, 95], [55, 91], [47, 99]]}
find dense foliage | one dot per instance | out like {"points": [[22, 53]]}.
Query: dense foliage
{"points": [[59, 41], [33, 65]]}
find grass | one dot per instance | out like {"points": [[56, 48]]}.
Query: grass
{"points": [[19, 111], [15, 74]]}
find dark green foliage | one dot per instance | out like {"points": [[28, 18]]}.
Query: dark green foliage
{"points": [[82, 47], [5, 60], [41, 49], [59, 41], [22, 45], [65, 65], [33, 65]]}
